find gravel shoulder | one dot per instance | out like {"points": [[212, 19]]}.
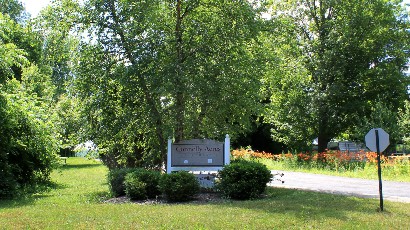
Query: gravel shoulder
{"points": [[392, 191]]}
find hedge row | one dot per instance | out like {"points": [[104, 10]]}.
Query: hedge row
{"points": [[239, 180], [140, 184]]}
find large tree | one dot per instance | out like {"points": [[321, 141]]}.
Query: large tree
{"points": [[344, 56], [158, 69], [56, 26]]}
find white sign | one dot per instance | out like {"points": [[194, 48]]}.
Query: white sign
{"points": [[371, 139]]}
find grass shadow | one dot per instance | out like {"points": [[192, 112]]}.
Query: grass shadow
{"points": [[78, 166], [99, 197], [56, 186], [43, 191], [17, 202]]}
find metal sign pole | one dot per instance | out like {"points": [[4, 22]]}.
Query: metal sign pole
{"points": [[379, 170]]}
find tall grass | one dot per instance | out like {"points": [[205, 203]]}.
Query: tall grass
{"points": [[80, 187]]}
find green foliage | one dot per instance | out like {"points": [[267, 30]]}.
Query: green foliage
{"points": [[28, 147], [69, 121], [345, 56], [155, 70], [28, 142], [60, 43], [243, 179], [8, 183], [142, 184], [116, 178], [14, 9], [381, 116], [151, 178], [404, 122], [137, 183], [135, 189], [179, 186]]}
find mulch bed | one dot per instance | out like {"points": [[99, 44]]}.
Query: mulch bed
{"points": [[201, 198]]}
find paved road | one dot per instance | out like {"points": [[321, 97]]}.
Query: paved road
{"points": [[393, 191]]}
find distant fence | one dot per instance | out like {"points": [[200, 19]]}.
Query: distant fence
{"points": [[347, 146]]}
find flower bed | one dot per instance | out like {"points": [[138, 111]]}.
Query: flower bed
{"points": [[329, 160]]}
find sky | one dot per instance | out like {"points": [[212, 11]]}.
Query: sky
{"points": [[34, 6]]}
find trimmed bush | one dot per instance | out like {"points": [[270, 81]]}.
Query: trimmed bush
{"points": [[243, 179], [118, 186], [116, 178], [151, 179], [142, 184], [179, 186], [135, 189]]}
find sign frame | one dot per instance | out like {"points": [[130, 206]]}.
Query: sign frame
{"points": [[198, 167]]}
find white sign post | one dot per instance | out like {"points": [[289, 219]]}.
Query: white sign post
{"points": [[377, 140]]}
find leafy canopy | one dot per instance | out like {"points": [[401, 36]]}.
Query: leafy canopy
{"points": [[338, 59]]}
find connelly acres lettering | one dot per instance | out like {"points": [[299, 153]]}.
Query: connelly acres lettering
{"points": [[197, 148]]}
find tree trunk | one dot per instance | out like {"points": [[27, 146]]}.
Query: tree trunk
{"points": [[322, 142], [323, 137], [179, 83], [154, 112]]}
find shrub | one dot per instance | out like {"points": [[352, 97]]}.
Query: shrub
{"points": [[151, 179], [243, 179], [144, 183], [8, 184], [117, 181], [179, 186], [116, 178], [28, 133], [135, 189]]}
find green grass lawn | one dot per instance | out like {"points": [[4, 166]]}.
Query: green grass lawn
{"points": [[75, 203]]}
